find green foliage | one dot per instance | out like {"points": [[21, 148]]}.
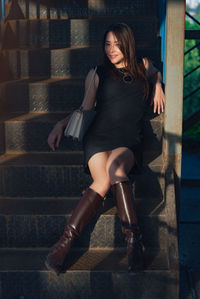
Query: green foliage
{"points": [[197, 12], [193, 132], [191, 82]]}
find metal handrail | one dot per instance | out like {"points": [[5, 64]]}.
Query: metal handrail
{"points": [[191, 120], [190, 16], [190, 94], [193, 70], [188, 51]]}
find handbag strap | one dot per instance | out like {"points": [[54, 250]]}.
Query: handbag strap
{"points": [[87, 92]]}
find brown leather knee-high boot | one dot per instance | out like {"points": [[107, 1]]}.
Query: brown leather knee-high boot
{"points": [[86, 208], [124, 200]]}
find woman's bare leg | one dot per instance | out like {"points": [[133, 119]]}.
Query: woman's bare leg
{"points": [[97, 166], [119, 163], [109, 167]]}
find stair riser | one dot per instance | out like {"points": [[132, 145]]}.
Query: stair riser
{"points": [[66, 33], [32, 136], [105, 232], [58, 63], [82, 9], [2, 138], [43, 181], [56, 206], [90, 285], [61, 95]]}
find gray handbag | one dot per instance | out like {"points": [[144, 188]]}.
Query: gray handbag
{"points": [[80, 119]]}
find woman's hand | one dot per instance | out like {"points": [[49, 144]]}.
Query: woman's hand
{"points": [[158, 98], [57, 132], [55, 136]]}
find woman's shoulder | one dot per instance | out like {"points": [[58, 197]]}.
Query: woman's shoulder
{"points": [[100, 70], [141, 58]]}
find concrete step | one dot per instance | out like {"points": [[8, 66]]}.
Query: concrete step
{"points": [[45, 175], [29, 132], [37, 95], [75, 32], [2, 139], [79, 260], [58, 205], [103, 231], [79, 9], [106, 277], [95, 284], [75, 61]]}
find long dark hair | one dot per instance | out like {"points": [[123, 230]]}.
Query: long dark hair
{"points": [[134, 68]]}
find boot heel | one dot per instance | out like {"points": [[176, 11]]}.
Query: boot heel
{"points": [[52, 268], [135, 257]]}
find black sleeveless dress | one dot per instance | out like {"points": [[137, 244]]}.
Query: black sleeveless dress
{"points": [[120, 107]]}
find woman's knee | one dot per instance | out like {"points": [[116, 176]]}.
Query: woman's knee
{"points": [[119, 164], [101, 185], [117, 174], [97, 166]]}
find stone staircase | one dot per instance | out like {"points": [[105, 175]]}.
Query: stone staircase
{"points": [[49, 46]]}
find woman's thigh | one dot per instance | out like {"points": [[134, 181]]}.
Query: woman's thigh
{"points": [[97, 166], [119, 163]]}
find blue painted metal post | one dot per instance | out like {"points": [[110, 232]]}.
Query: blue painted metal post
{"points": [[2, 18], [2, 10]]}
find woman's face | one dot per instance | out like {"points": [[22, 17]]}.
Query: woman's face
{"points": [[113, 51]]}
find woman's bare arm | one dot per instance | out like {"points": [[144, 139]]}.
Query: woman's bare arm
{"points": [[55, 135], [155, 77]]}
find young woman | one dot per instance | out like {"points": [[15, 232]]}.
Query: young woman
{"points": [[112, 145]]}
